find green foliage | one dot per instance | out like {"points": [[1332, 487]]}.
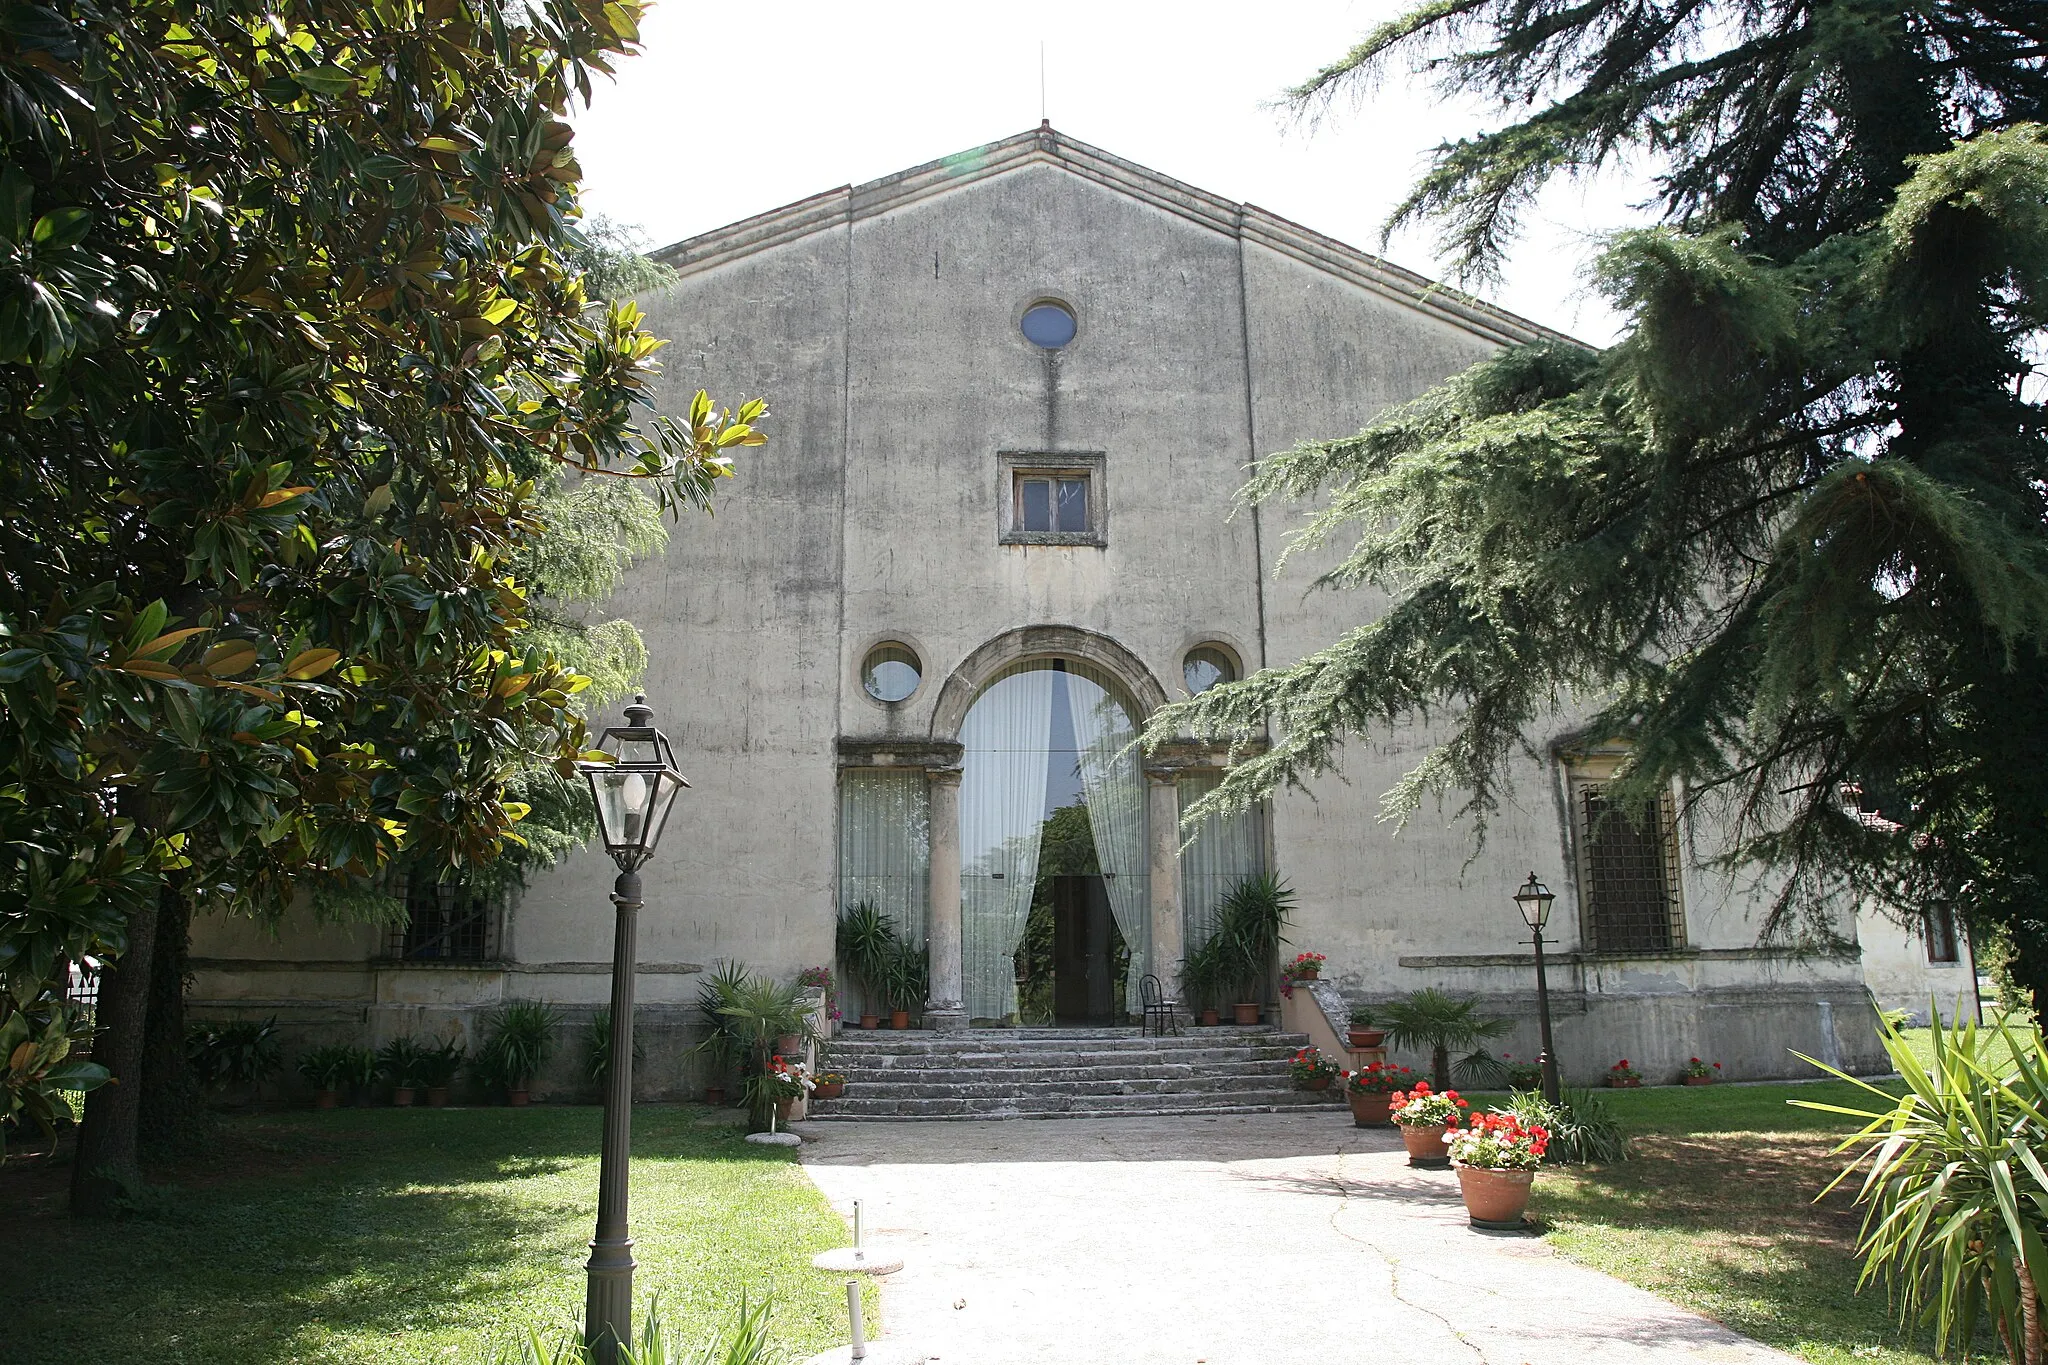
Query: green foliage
{"points": [[1238, 957], [869, 947], [436, 1067], [403, 1060], [907, 979], [1581, 1128], [1788, 533], [518, 1036], [337, 1066], [234, 1056], [747, 1014], [35, 1051], [598, 1043], [1956, 1195], [1435, 1022], [293, 348], [746, 1342]]}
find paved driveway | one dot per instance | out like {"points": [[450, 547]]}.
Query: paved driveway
{"points": [[1229, 1240]]}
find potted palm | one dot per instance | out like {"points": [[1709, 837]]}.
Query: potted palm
{"points": [[748, 1015], [867, 943], [436, 1067], [1434, 1022], [362, 1075], [1496, 1156], [399, 1060], [1201, 978], [1370, 1089], [517, 1038], [1249, 923], [327, 1070], [908, 980]]}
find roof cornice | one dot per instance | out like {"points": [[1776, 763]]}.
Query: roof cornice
{"points": [[1043, 146]]}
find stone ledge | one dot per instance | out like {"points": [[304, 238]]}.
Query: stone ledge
{"points": [[1527, 960]]}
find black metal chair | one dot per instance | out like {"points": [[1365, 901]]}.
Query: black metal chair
{"points": [[1162, 1016]]}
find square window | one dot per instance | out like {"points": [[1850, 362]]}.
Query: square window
{"points": [[1052, 498], [1629, 871]]}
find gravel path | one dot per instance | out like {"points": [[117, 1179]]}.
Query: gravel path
{"points": [[1227, 1240]]}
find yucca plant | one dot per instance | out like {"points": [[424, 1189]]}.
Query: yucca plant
{"points": [[868, 944], [746, 1342], [1581, 1129], [1955, 1193]]}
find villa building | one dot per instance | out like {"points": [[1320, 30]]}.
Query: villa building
{"points": [[1014, 394]]}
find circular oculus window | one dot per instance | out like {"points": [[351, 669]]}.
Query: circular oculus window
{"points": [[1205, 666], [891, 672], [1049, 325]]}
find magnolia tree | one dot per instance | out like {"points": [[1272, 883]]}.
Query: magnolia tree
{"points": [[292, 351], [1786, 536]]}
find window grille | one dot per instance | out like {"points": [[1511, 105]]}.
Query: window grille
{"points": [[445, 921], [1630, 875], [1941, 935]]}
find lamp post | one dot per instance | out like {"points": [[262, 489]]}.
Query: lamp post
{"points": [[1533, 900], [633, 785]]}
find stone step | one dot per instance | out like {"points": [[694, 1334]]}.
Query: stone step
{"points": [[1051, 1061], [1007, 1074], [982, 1039], [1069, 1106], [1161, 1085]]}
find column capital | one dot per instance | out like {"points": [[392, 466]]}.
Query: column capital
{"points": [[948, 776], [1162, 776]]}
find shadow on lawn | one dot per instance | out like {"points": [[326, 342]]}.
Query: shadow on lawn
{"points": [[390, 1223]]}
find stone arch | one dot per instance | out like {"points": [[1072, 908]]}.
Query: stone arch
{"points": [[966, 681]]}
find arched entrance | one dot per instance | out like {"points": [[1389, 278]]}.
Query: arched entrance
{"points": [[1055, 893]]}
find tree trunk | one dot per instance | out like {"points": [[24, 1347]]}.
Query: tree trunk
{"points": [[106, 1159], [2030, 1318], [171, 1100], [1440, 1067]]}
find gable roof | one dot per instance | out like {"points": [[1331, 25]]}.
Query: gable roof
{"points": [[1045, 147]]}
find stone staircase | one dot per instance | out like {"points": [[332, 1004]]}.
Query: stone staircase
{"points": [[1064, 1073]]}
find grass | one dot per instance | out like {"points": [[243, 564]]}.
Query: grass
{"points": [[1718, 1214], [401, 1236]]}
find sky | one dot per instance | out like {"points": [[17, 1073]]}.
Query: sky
{"points": [[736, 109]]}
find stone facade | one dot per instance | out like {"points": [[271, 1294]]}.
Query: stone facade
{"points": [[882, 322]]}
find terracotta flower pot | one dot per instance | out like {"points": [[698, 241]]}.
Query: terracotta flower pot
{"points": [[518, 1099], [899, 1018], [871, 1021], [829, 1090], [437, 1097], [1699, 1080], [1370, 1110], [714, 1094], [789, 1045], [326, 1099], [1317, 1083], [1209, 1019], [1620, 1083], [1425, 1145], [401, 1096], [1495, 1199], [1307, 973], [1365, 1039], [783, 1109], [1245, 1012]]}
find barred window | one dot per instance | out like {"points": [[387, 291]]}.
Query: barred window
{"points": [[445, 921], [1628, 864]]}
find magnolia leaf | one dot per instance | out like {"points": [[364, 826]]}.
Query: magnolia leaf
{"points": [[311, 663], [60, 228], [164, 643], [228, 658], [326, 80], [379, 499]]}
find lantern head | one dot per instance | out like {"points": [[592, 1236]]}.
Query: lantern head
{"points": [[634, 788], [1533, 900]]}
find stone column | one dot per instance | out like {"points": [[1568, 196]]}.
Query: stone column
{"points": [[1162, 825], [944, 1009]]}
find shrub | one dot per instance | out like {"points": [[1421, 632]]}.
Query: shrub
{"points": [[1955, 1190], [746, 1342], [231, 1056], [437, 1065], [517, 1038], [335, 1066], [1580, 1128], [401, 1061], [600, 1041]]}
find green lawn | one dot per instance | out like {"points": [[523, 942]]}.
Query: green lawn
{"points": [[395, 1235], [1718, 1214]]}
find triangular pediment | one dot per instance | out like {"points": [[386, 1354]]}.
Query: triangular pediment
{"points": [[1044, 146]]}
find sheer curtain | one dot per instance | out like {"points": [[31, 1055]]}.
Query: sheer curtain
{"points": [[885, 847], [1006, 743], [1115, 790], [1223, 851]]}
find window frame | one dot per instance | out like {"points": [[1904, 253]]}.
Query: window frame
{"points": [[1943, 929], [1015, 466], [1584, 777], [489, 908]]}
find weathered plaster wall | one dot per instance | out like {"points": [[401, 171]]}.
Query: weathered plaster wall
{"points": [[1896, 969]]}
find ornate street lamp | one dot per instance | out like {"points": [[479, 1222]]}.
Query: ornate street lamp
{"points": [[633, 788], [1533, 900]]}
